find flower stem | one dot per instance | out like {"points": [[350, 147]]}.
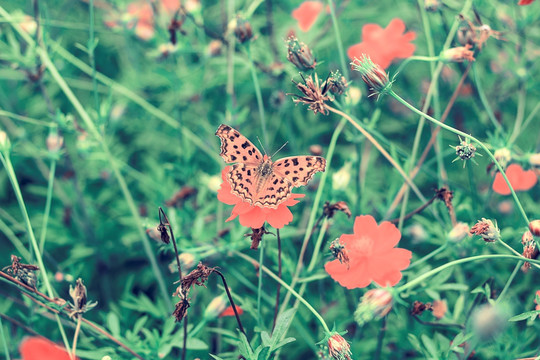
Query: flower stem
{"points": [[286, 286], [509, 281], [6, 161], [485, 102], [472, 138], [258, 95], [380, 339], [428, 256], [316, 204], [276, 308], [380, 148], [76, 335], [4, 342], [259, 287], [48, 202], [417, 280], [337, 34], [231, 301], [115, 169]]}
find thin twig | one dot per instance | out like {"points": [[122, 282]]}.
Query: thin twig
{"points": [[414, 212], [433, 323], [168, 224], [231, 301], [184, 346], [76, 335]]}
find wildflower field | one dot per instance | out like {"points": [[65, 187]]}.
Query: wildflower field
{"points": [[269, 179]]}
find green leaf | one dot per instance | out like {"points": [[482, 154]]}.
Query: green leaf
{"points": [[262, 353], [458, 307], [525, 315], [215, 357], [113, 323], [282, 324], [266, 340]]}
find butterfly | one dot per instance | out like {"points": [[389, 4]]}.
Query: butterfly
{"points": [[258, 180]]}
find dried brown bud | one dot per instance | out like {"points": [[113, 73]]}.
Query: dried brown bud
{"points": [[180, 309], [256, 236], [339, 252], [487, 230], [315, 94], [299, 54], [78, 294], [164, 234], [330, 209], [243, 30], [458, 54], [337, 83], [419, 307]]}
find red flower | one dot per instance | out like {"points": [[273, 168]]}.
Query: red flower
{"points": [[230, 312], [372, 256], [384, 45], [525, 2], [38, 348], [520, 180], [307, 13], [252, 215]]}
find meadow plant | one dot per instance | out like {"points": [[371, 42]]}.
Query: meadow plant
{"points": [[134, 135]]}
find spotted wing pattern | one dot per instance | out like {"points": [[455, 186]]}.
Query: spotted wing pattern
{"points": [[258, 189], [299, 169], [235, 147]]}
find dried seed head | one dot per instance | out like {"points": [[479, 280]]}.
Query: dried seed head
{"points": [[256, 236], [299, 54], [487, 230], [314, 94], [464, 151], [180, 309], [330, 209]]}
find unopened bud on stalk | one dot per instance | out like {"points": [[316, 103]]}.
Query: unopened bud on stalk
{"points": [[372, 74], [458, 54], [54, 142], [299, 54], [534, 227], [216, 307], [458, 232], [375, 304], [243, 30], [338, 347]]}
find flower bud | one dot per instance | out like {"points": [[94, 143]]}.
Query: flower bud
{"points": [[338, 347], [458, 232], [503, 157], [5, 144], [78, 294], [299, 54], [216, 307], [337, 83], [342, 177], [54, 142], [487, 230], [534, 160], [458, 54], [353, 96], [372, 74], [534, 227], [432, 5], [187, 261], [243, 30], [375, 304]]}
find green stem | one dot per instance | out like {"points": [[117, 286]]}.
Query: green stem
{"points": [[48, 202], [91, 47], [315, 207], [428, 256], [417, 280], [485, 102], [258, 95], [471, 138], [27, 119], [337, 34], [4, 342], [15, 241], [286, 286], [115, 169], [522, 97], [6, 161], [509, 281], [259, 287]]}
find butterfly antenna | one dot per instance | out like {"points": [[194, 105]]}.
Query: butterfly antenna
{"points": [[260, 143], [282, 146]]}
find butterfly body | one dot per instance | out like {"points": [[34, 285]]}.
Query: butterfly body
{"points": [[256, 178]]}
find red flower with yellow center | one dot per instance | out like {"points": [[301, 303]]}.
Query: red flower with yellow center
{"points": [[384, 45], [372, 255]]}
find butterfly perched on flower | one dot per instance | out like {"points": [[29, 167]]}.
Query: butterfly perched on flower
{"points": [[255, 178]]}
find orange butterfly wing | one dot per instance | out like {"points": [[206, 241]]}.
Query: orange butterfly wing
{"points": [[258, 181]]}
